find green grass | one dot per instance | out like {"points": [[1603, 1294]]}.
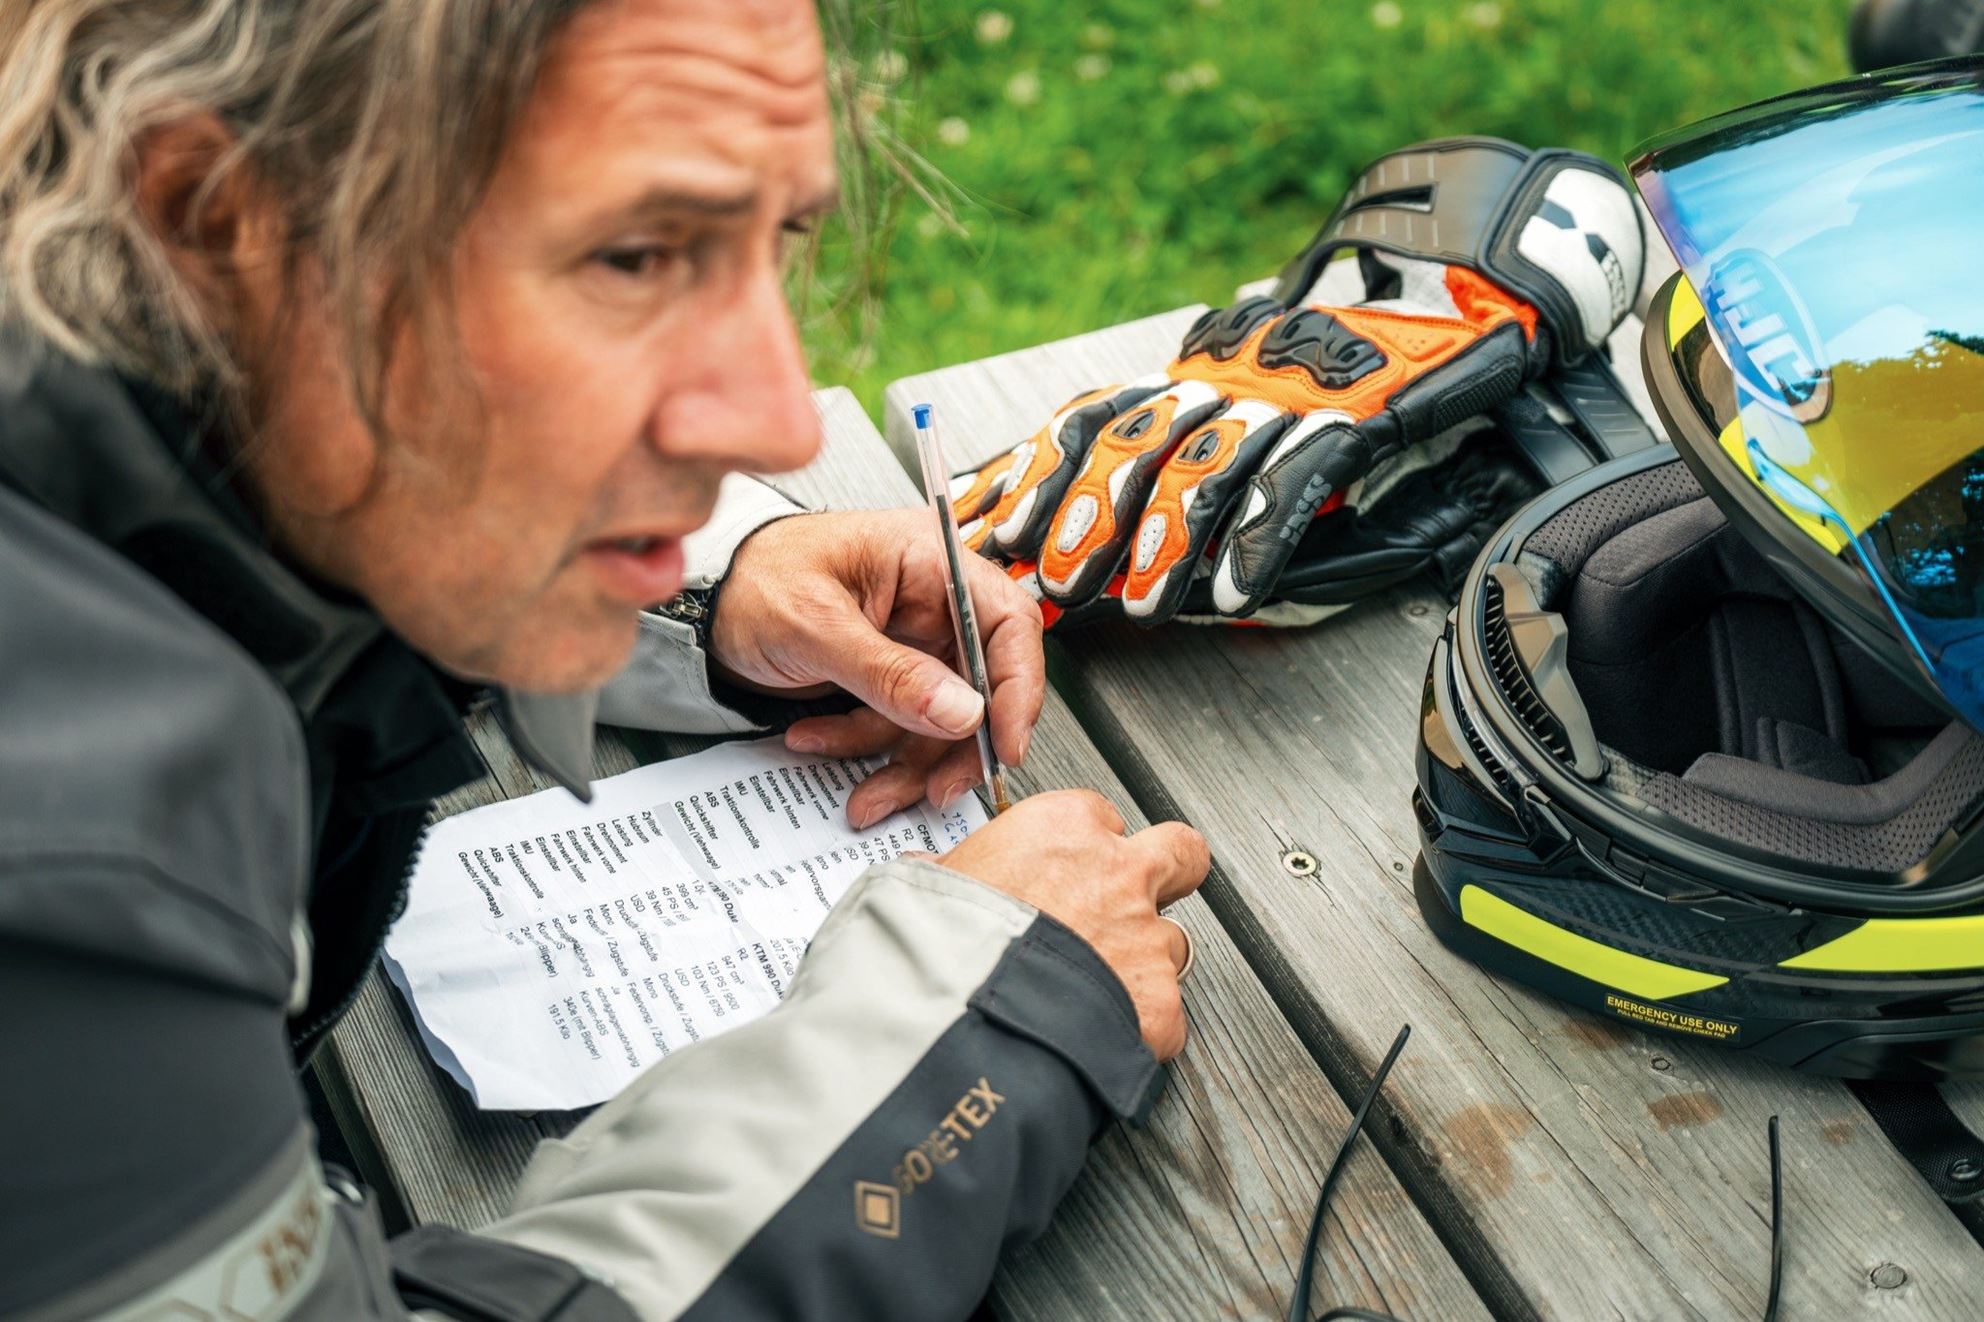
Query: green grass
{"points": [[1123, 157]]}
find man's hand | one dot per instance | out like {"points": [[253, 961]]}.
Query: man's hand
{"points": [[860, 600], [1065, 853]]}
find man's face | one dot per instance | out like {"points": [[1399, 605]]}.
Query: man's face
{"points": [[626, 341]]}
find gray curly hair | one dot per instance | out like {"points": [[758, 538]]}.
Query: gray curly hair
{"points": [[377, 122]]}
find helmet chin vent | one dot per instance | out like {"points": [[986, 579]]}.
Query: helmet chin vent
{"points": [[1500, 649], [1526, 648], [1489, 762]]}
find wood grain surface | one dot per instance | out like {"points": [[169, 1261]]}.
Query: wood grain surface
{"points": [[1200, 1215], [1579, 1169]]}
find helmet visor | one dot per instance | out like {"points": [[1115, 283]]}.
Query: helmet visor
{"points": [[1836, 237]]}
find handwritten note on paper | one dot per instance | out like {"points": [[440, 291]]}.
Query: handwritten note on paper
{"points": [[551, 950]]}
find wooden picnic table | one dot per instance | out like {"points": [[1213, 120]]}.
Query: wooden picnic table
{"points": [[1527, 1161], [1577, 1168]]}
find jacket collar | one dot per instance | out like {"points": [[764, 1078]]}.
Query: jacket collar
{"points": [[128, 465]]}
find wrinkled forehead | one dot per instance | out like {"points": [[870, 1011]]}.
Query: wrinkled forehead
{"points": [[720, 96]]}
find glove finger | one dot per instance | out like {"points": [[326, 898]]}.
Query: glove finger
{"points": [[1003, 508], [976, 490], [1091, 527], [1194, 491], [972, 493], [1019, 520], [1320, 455]]}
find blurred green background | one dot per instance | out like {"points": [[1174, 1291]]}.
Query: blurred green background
{"points": [[1038, 168]]}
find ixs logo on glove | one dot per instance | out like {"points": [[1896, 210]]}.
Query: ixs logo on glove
{"points": [[1768, 336], [878, 1207]]}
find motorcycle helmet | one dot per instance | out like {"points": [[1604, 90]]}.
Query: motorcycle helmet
{"points": [[1699, 745]]}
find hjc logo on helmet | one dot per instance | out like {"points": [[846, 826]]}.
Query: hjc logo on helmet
{"points": [[1768, 336]]}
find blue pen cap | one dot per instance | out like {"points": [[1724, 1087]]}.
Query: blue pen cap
{"points": [[921, 413]]}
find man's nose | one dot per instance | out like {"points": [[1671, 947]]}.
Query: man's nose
{"points": [[740, 396]]}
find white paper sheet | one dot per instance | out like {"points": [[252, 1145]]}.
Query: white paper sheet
{"points": [[551, 950]]}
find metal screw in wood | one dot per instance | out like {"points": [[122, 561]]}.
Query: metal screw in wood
{"points": [[1299, 863]]}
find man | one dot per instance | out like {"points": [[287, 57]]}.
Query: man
{"points": [[363, 355]]}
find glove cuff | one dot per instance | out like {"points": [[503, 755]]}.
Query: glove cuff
{"points": [[1556, 228]]}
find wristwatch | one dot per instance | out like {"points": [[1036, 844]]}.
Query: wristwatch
{"points": [[695, 607]]}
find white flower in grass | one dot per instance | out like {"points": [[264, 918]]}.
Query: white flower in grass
{"points": [[929, 225], [1386, 14], [1098, 36], [1204, 73], [994, 26], [1023, 88], [1088, 68], [891, 66], [953, 132], [1485, 15]]}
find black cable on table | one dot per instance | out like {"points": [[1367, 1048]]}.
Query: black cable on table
{"points": [[1298, 1306], [1776, 1224]]}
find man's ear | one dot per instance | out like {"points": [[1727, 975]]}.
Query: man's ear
{"points": [[221, 234], [227, 236]]}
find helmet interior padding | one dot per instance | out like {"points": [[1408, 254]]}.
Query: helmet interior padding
{"points": [[1722, 699]]}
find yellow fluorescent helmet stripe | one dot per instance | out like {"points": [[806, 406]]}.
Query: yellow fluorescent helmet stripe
{"points": [[1633, 974], [1900, 945]]}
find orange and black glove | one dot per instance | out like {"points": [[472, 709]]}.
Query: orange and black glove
{"points": [[1454, 272]]}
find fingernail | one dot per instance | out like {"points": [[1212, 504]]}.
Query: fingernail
{"points": [[955, 707], [805, 743], [950, 793], [1026, 742], [872, 815]]}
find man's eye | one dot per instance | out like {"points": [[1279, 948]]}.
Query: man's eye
{"points": [[793, 236], [640, 261]]}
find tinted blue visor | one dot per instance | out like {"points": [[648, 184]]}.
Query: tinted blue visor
{"points": [[1836, 239]]}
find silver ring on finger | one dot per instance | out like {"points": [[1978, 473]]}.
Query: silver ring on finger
{"points": [[1191, 951]]}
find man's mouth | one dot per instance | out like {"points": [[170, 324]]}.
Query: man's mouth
{"points": [[642, 570]]}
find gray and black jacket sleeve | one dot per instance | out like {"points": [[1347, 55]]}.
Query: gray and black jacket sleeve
{"points": [[921, 1100]]}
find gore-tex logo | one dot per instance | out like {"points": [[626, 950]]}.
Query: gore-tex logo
{"points": [[878, 1207]]}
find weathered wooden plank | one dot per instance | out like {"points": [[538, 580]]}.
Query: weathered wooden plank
{"points": [[1579, 1169], [1201, 1215]]}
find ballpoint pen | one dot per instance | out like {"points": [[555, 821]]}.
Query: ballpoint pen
{"points": [[971, 652]]}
